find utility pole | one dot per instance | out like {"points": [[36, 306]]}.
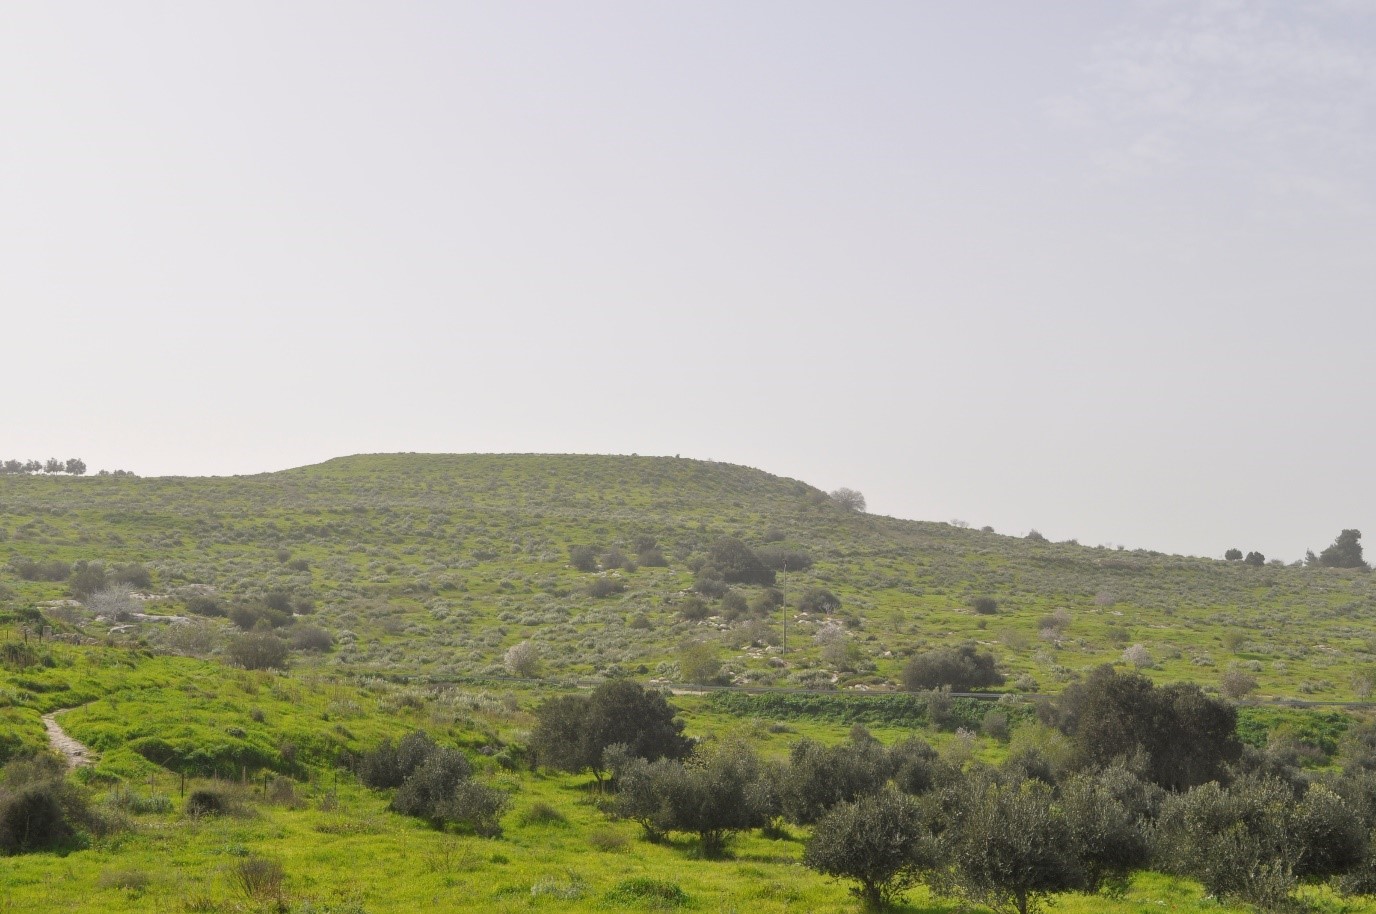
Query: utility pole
{"points": [[785, 607]]}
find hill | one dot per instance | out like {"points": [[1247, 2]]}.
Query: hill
{"points": [[437, 565]]}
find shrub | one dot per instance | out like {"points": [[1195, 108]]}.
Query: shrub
{"points": [[260, 880], [601, 587], [961, 668], [522, 659], [849, 499], [389, 766], [607, 839], [583, 558], [207, 802], [311, 638], [659, 893], [478, 807], [737, 563], [130, 880], [32, 818], [779, 559], [427, 791], [542, 813], [818, 600], [258, 650], [694, 609], [86, 578], [201, 605], [985, 606], [1237, 684], [573, 732]]}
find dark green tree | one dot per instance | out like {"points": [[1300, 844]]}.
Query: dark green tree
{"points": [[1346, 552], [573, 732], [961, 668], [1009, 847], [737, 563], [879, 842], [1181, 736]]}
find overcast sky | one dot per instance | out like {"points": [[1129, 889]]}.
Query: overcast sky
{"points": [[1105, 270]]}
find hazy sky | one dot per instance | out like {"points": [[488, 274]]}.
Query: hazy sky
{"points": [[1105, 270]]}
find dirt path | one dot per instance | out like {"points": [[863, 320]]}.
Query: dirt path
{"points": [[74, 752]]}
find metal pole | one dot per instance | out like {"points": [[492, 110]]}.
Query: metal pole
{"points": [[785, 607]]}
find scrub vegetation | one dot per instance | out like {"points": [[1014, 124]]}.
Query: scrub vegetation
{"points": [[403, 681]]}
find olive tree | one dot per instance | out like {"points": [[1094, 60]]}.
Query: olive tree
{"points": [[878, 841]]}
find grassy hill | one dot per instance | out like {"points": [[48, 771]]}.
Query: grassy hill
{"points": [[435, 565]]}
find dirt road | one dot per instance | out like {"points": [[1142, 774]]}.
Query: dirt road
{"points": [[74, 752]]}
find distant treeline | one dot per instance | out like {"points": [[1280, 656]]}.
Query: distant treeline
{"points": [[74, 466]]}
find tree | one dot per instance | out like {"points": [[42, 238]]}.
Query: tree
{"points": [[962, 668], [1237, 684], [1248, 841], [522, 659], [1010, 847], [879, 841], [54, 466], [1255, 558], [819, 777], [1182, 736], [573, 732], [849, 499], [737, 563], [1233, 555], [1346, 552], [75, 466], [711, 795]]}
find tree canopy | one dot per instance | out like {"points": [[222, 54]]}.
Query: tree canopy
{"points": [[573, 732]]}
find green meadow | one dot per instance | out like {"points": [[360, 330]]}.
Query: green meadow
{"points": [[425, 571]]}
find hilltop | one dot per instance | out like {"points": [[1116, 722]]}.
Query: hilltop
{"points": [[437, 565]]}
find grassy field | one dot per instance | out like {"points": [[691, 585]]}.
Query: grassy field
{"points": [[436, 565], [426, 570], [277, 741]]}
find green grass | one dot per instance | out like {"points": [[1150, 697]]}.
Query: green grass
{"points": [[341, 850], [435, 565], [426, 569]]}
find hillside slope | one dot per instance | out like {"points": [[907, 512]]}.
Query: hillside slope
{"points": [[438, 564]]}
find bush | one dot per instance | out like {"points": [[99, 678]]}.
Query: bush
{"points": [[818, 600], [607, 839], [583, 558], [311, 638], [849, 499], [600, 587], [32, 819], [427, 790], [260, 880], [694, 609], [522, 659], [542, 813], [658, 893], [258, 650], [779, 559], [962, 669], [206, 802], [737, 564], [389, 766], [985, 606], [476, 806], [201, 605]]}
